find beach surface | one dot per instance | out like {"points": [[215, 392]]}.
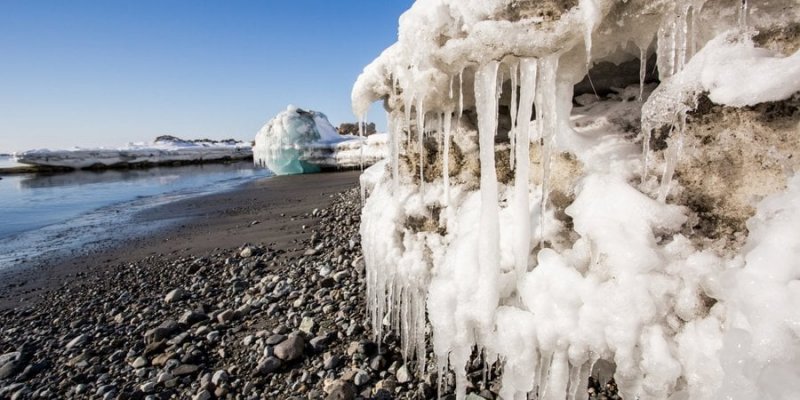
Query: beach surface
{"points": [[271, 211]]}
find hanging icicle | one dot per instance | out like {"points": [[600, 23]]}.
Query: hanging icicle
{"points": [[513, 109], [547, 113], [528, 71], [421, 144]]}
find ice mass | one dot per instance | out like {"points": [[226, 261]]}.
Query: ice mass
{"points": [[298, 141], [649, 234]]}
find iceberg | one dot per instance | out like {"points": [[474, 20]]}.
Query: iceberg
{"points": [[164, 150], [298, 141], [643, 235]]}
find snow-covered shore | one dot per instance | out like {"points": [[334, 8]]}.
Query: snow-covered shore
{"points": [[163, 151]]}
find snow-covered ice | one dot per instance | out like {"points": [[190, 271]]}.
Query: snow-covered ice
{"points": [[163, 150], [588, 246], [297, 141]]}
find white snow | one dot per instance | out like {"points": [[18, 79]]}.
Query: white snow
{"points": [[622, 285], [159, 152], [297, 141]]}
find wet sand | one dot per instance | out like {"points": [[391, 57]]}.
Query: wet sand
{"points": [[270, 211]]}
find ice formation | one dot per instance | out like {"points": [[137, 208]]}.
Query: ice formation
{"points": [[163, 150], [297, 141], [556, 241]]}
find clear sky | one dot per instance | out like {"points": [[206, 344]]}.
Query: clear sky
{"points": [[109, 72]]}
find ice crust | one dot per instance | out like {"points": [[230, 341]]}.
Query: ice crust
{"points": [[579, 256], [297, 141], [159, 152]]}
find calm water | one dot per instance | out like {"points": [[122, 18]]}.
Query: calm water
{"points": [[42, 216]]}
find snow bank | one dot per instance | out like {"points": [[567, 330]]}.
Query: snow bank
{"points": [[297, 141], [164, 150], [554, 239]]}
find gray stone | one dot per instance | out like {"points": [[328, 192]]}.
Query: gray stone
{"points": [[267, 366], [332, 361], [341, 390], [148, 387], [319, 343], [291, 348], [275, 339], [175, 295], [219, 377], [403, 375], [185, 369], [246, 252], [307, 325], [226, 316], [139, 362], [361, 378], [203, 395], [190, 318], [78, 341]]}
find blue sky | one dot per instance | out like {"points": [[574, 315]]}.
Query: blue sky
{"points": [[108, 72]]}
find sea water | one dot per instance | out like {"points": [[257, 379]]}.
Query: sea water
{"points": [[58, 215]]}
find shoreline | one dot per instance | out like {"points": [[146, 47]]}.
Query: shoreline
{"points": [[50, 169], [196, 224]]}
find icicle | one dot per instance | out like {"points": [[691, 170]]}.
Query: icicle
{"points": [[448, 116], [590, 17], [545, 101], [361, 122], [394, 136], [488, 228], [451, 86], [522, 216], [743, 15], [682, 34], [665, 48], [673, 155], [642, 71], [499, 92], [421, 137], [512, 132], [407, 113], [558, 378], [460, 97]]}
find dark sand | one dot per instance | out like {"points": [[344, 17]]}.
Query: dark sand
{"points": [[281, 206]]}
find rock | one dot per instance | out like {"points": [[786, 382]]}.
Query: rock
{"points": [[291, 348], [12, 356], [275, 339], [377, 363], [226, 316], [307, 325], [78, 341], [148, 387], [361, 378], [175, 295], [267, 366], [246, 252], [10, 369], [139, 362], [332, 361], [403, 376], [203, 395], [340, 276], [219, 378], [185, 369], [319, 343], [163, 331], [341, 390], [190, 318]]}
